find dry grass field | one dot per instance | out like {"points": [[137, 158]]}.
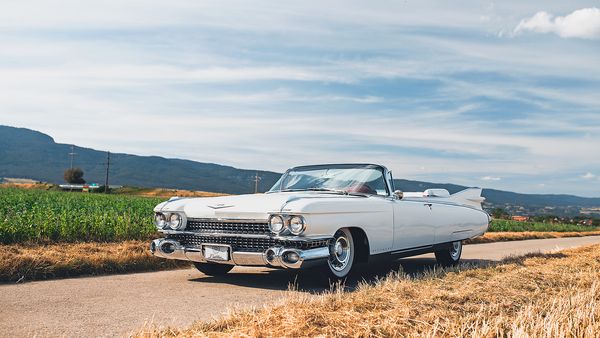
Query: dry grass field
{"points": [[544, 295], [490, 237], [34, 261], [20, 262], [165, 193], [36, 186]]}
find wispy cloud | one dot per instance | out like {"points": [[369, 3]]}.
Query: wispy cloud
{"points": [[427, 88], [583, 23], [588, 176]]}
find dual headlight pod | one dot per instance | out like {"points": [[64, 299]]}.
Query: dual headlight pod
{"points": [[174, 220], [280, 223]]}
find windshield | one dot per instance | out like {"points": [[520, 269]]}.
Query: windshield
{"points": [[360, 179]]}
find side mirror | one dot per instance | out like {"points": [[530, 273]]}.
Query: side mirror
{"points": [[399, 194]]}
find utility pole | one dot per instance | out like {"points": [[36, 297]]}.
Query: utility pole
{"points": [[256, 179], [72, 154], [107, 168]]}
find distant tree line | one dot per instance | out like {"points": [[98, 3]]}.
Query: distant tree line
{"points": [[500, 213], [74, 176]]}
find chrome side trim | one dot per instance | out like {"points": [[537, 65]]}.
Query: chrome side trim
{"points": [[429, 200], [411, 249]]}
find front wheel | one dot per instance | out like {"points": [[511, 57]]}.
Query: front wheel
{"points": [[449, 256], [341, 255], [213, 269]]}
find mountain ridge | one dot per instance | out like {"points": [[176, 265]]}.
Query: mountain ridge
{"points": [[32, 154]]}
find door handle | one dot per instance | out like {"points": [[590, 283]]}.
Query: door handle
{"points": [[428, 205]]}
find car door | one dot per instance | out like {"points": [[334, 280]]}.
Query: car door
{"points": [[413, 224]]}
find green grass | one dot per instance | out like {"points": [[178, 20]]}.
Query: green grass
{"points": [[28, 215], [43, 216], [501, 225]]}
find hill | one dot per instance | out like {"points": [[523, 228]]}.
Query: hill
{"points": [[30, 154]]}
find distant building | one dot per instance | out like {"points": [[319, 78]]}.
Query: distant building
{"points": [[79, 187], [520, 218], [85, 187]]}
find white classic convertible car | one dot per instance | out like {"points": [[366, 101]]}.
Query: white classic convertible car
{"points": [[332, 216]]}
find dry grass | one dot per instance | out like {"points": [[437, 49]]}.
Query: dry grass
{"points": [[37, 186], [147, 192], [20, 262], [34, 261], [490, 237], [552, 295], [165, 193]]}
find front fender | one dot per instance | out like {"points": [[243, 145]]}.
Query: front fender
{"points": [[373, 215]]}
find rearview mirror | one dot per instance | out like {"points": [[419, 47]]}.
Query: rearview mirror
{"points": [[399, 194]]}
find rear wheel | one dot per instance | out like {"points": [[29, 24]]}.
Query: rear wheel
{"points": [[341, 255], [213, 269], [451, 255]]}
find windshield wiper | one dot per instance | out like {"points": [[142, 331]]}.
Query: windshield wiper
{"points": [[327, 189], [341, 192]]}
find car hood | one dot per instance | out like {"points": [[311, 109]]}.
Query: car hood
{"points": [[255, 206]]}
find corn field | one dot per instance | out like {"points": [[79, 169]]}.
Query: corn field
{"points": [[502, 225], [43, 216]]}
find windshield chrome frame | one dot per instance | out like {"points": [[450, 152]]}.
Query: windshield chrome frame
{"points": [[387, 175]]}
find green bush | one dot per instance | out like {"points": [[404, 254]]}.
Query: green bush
{"points": [[39, 216]]}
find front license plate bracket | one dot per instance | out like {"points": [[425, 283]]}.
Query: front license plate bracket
{"points": [[217, 253]]}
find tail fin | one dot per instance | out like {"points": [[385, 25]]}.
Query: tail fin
{"points": [[470, 196]]}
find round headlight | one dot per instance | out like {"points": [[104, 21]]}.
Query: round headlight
{"points": [[175, 221], [276, 224], [160, 220], [297, 225]]}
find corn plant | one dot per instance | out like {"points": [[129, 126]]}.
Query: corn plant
{"points": [[41, 216]]}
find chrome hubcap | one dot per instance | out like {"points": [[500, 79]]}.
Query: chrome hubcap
{"points": [[455, 250], [340, 253]]}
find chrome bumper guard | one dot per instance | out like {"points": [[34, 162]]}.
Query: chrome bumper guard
{"points": [[289, 258]]}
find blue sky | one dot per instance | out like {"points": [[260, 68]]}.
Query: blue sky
{"points": [[482, 93]]}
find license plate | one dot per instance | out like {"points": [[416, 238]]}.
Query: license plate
{"points": [[216, 253]]}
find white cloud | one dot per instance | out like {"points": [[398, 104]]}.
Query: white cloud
{"points": [[583, 23], [588, 176], [376, 82], [490, 178]]}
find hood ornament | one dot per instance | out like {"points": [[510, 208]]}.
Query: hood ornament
{"points": [[220, 206]]}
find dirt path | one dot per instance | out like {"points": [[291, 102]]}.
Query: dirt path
{"points": [[121, 304]]}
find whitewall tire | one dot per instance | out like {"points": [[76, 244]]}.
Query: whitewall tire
{"points": [[451, 255], [341, 254]]}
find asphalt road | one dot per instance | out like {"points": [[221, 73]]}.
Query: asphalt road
{"points": [[122, 304]]}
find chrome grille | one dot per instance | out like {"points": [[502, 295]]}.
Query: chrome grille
{"points": [[227, 227], [247, 244]]}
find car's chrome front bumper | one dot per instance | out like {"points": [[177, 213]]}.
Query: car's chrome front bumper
{"points": [[277, 256]]}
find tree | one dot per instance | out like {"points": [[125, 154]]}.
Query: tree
{"points": [[74, 176], [499, 213]]}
